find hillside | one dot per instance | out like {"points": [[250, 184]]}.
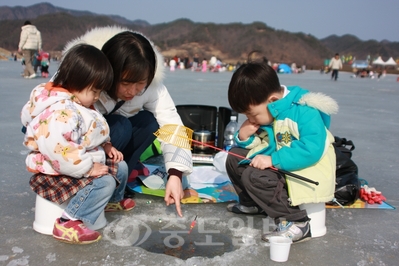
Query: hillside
{"points": [[34, 11], [233, 42], [349, 44], [230, 42], [56, 29]]}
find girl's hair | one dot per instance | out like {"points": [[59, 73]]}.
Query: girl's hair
{"points": [[132, 58], [84, 66], [252, 84]]}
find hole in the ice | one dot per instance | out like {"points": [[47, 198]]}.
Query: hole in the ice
{"points": [[185, 245], [170, 236]]}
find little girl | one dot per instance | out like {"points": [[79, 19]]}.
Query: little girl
{"points": [[69, 143], [45, 63]]}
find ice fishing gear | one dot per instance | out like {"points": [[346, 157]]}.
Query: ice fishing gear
{"points": [[181, 136]]}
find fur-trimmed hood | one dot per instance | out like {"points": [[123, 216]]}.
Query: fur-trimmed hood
{"points": [[100, 35], [320, 101]]}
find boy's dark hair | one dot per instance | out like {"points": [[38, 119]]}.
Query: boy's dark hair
{"points": [[132, 58], [252, 84], [27, 23], [84, 66]]}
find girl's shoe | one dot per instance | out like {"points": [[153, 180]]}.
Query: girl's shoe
{"points": [[123, 205], [74, 232]]}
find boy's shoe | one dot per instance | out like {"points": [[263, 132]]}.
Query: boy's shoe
{"points": [[297, 231], [32, 76], [241, 209], [124, 205], [74, 232]]}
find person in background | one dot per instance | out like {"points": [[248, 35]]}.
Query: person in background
{"points": [[36, 61], [195, 63], [286, 128], [212, 62], [335, 65], [45, 63], [70, 149], [186, 62], [204, 65], [177, 60], [30, 42], [172, 65], [138, 103]]}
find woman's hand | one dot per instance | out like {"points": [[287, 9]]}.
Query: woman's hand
{"points": [[174, 193], [261, 162], [113, 153]]}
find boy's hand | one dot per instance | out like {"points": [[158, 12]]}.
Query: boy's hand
{"points": [[113, 153], [247, 129], [261, 162]]}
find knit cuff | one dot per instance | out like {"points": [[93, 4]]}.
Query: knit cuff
{"points": [[173, 171]]}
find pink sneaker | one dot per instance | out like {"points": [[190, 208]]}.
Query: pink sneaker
{"points": [[123, 205], [74, 232]]}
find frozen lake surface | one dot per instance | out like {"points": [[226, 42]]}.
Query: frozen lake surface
{"points": [[368, 115]]}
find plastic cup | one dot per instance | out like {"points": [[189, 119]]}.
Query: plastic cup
{"points": [[279, 248]]}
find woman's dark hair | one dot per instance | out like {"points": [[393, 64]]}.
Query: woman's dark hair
{"points": [[84, 66], [252, 84], [132, 58]]}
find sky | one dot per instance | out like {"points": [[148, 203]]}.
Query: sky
{"points": [[365, 19]]}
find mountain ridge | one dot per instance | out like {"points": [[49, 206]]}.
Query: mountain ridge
{"points": [[230, 42]]}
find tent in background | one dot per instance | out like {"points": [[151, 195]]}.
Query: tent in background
{"points": [[284, 68], [379, 61], [390, 62]]}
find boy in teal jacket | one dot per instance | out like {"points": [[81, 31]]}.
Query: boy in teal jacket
{"points": [[286, 128]]}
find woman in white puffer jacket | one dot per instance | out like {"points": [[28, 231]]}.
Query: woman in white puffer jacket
{"points": [[146, 103]]}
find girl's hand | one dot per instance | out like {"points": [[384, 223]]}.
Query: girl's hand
{"points": [[99, 170], [247, 129], [261, 162], [113, 153]]}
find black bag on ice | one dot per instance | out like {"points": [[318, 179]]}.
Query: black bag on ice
{"points": [[347, 183]]}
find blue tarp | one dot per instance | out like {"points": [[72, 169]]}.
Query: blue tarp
{"points": [[360, 64], [283, 68]]}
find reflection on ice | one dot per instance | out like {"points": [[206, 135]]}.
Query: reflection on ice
{"points": [[188, 245]]}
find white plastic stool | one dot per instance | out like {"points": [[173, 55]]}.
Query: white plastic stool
{"points": [[47, 212], [317, 214]]}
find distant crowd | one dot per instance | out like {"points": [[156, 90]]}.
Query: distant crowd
{"points": [[215, 64]]}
